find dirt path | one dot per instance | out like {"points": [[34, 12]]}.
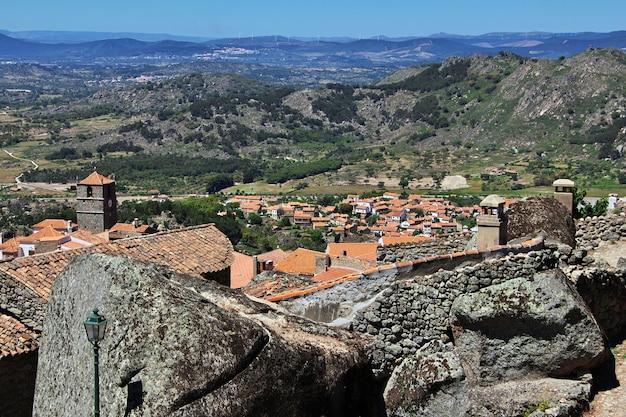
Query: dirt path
{"points": [[612, 403]]}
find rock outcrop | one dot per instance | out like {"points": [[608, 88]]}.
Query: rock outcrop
{"points": [[510, 340], [526, 217], [525, 328], [181, 346]]}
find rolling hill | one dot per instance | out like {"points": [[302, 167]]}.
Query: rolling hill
{"points": [[467, 115]]}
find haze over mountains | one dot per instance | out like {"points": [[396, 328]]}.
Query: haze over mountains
{"points": [[82, 47]]}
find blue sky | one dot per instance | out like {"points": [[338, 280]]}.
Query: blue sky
{"points": [[312, 18]]}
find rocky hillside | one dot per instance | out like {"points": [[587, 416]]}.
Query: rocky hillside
{"points": [[538, 116]]}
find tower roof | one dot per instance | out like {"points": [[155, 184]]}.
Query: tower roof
{"points": [[96, 179], [563, 182], [492, 200]]}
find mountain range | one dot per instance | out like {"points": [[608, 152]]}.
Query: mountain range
{"points": [[80, 47]]}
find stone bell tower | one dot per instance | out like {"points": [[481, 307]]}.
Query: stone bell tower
{"points": [[491, 223], [96, 208]]}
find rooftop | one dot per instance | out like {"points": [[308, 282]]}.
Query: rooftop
{"points": [[194, 250], [96, 179]]}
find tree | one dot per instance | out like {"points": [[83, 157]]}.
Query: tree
{"points": [[584, 208], [254, 218], [284, 222], [344, 208], [404, 182], [219, 182], [371, 219]]}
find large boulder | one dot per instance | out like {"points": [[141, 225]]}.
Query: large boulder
{"points": [[518, 347], [432, 383], [526, 328], [420, 377], [181, 346], [534, 214]]}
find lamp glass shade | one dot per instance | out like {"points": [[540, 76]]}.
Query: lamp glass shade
{"points": [[95, 326]]}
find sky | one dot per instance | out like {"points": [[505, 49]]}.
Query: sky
{"points": [[314, 18]]}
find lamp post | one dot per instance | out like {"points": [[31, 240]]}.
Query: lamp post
{"points": [[95, 326]]}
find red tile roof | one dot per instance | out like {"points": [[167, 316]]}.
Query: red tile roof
{"points": [[194, 250], [129, 227], [242, 270], [390, 240], [353, 250], [58, 224], [88, 236], [301, 261], [46, 233], [10, 247], [96, 179], [332, 274], [15, 337], [275, 256]]}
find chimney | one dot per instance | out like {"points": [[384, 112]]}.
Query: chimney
{"points": [[136, 222], [255, 266], [69, 227]]}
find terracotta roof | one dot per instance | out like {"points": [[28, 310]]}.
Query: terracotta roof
{"points": [[390, 240], [58, 224], [242, 270], [11, 246], [194, 250], [333, 273], [46, 233], [301, 261], [89, 236], [96, 179], [353, 250], [72, 245], [129, 227], [15, 337], [269, 288], [275, 256]]}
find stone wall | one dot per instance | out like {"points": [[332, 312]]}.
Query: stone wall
{"points": [[592, 231], [604, 291], [440, 245], [412, 312], [21, 302]]}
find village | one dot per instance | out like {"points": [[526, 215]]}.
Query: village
{"points": [[368, 240], [391, 218]]}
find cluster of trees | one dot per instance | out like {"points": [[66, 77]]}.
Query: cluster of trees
{"points": [[584, 209], [432, 77], [78, 114], [19, 214], [427, 110], [64, 153], [186, 212], [291, 171], [339, 106], [119, 146]]}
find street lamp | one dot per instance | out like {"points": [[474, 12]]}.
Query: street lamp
{"points": [[95, 326]]}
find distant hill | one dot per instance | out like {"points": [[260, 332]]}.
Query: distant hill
{"points": [[80, 47], [478, 116]]}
